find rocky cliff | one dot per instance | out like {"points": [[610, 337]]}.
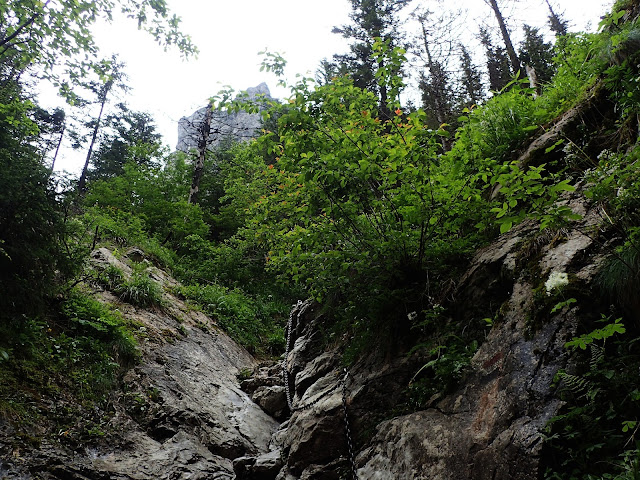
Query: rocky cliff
{"points": [[491, 426], [236, 126], [179, 414], [189, 409]]}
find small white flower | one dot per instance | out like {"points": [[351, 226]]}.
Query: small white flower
{"points": [[412, 316], [556, 280]]}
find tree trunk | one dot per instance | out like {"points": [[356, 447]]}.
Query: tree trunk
{"points": [[557, 25], [4, 42], [205, 131], [513, 57], [55, 155], [82, 183]]}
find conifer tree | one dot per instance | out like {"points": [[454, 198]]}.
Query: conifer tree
{"points": [[437, 92], [537, 54], [371, 19], [132, 138], [497, 63], [470, 80], [557, 24]]}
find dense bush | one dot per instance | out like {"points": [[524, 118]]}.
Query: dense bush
{"points": [[257, 322], [34, 256]]}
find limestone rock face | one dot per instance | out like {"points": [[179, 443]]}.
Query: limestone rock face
{"points": [[239, 126], [491, 426], [181, 413]]}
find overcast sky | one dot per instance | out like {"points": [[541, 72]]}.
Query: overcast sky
{"points": [[230, 34]]}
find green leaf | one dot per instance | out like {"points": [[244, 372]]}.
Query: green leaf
{"points": [[552, 147], [561, 305], [506, 226]]}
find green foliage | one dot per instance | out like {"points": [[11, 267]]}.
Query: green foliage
{"points": [[32, 227], [112, 225], [576, 69], [619, 275], [614, 184], [44, 33], [78, 352], [442, 373], [372, 21], [594, 436], [615, 187], [149, 198], [354, 202], [111, 277], [140, 289], [610, 329], [501, 125], [539, 194], [97, 321], [560, 305], [255, 322], [131, 138]]}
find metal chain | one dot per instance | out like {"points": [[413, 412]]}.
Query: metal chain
{"points": [[285, 366], [341, 383], [347, 430]]}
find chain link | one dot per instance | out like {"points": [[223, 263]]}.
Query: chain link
{"points": [[347, 430], [300, 308]]}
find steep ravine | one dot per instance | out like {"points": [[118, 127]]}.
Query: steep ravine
{"points": [[183, 412], [491, 426]]}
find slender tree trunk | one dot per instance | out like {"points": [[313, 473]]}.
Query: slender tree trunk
{"points": [[55, 155], [82, 183], [513, 57], [556, 22], [440, 116], [203, 140]]}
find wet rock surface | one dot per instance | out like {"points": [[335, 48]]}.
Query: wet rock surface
{"points": [[490, 426], [181, 413], [184, 414]]}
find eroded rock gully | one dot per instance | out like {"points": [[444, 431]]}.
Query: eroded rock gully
{"points": [[181, 414], [490, 427], [184, 415]]}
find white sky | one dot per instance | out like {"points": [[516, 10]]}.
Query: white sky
{"points": [[230, 34]]}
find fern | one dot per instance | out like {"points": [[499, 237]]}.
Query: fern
{"points": [[576, 384]]}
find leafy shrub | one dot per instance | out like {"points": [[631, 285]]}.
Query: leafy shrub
{"points": [[255, 324], [112, 225], [98, 321], [594, 435], [440, 374], [33, 257], [79, 350], [620, 273], [154, 197], [140, 289], [111, 277]]}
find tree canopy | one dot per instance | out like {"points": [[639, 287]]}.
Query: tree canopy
{"points": [[56, 34]]}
